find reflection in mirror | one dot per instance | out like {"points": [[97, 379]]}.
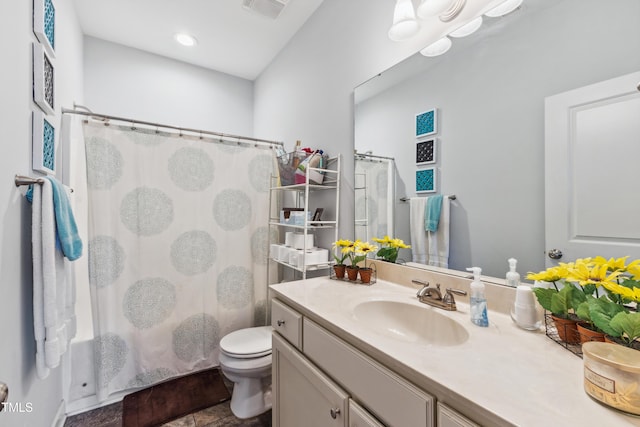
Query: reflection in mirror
{"points": [[374, 186], [490, 91]]}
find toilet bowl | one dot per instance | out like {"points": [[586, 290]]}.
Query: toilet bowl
{"points": [[245, 359]]}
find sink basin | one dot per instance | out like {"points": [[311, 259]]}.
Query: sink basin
{"points": [[410, 323]]}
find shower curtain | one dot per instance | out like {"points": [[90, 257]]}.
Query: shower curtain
{"points": [[178, 243]]}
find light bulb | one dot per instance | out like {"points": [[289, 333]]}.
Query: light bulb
{"points": [[432, 7], [504, 8], [437, 48], [468, 28], [405, 24]]}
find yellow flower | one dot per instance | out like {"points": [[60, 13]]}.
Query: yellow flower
{"points": [[365, 247], [342, 243], [591, 273], [398, 243], [551, 274], [384, 241], [630, 293]]}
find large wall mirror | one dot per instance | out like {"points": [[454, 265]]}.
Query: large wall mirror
{"points": [[489, 91]]}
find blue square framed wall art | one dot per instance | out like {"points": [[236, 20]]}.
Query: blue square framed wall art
{"points": [[43, 79], [426, 123], [426, 180], [44, 24], [43, 144], [426, 152]]}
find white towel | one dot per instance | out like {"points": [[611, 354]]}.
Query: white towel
{"points": [[52, 293], [417, 206], [439, 240]]}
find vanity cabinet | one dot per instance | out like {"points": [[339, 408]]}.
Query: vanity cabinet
{"points": [[301, 195], [448, 417], [328, 382], [303, 395]]}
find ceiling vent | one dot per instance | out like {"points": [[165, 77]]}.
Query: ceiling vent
{"points": [[269, 8]]}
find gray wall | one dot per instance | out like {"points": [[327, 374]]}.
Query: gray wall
{"points": [[17, 345], [131, 83]]}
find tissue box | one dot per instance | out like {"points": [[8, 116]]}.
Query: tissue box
{"points": [[285, 215], [297, 217]]}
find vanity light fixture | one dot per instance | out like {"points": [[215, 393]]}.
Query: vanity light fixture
{"points": [[405, 24], [446, 10], [504, 8], [468, 28], [185, 39], [437, 48]]}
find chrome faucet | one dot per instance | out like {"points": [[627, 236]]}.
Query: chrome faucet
{"points": [[433, 296]]}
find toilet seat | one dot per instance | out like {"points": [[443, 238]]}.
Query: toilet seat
{"points": [[244, 365], [249, 343]]}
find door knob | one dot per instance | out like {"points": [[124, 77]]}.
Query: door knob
{"points": [[555, 254]]}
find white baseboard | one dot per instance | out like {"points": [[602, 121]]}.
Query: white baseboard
{"points": [[60, 417]]}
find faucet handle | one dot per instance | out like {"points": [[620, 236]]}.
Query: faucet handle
{"points": [[448, 297], [422, 291]]}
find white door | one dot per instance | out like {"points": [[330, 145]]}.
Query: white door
{"points": [[592, 171]]}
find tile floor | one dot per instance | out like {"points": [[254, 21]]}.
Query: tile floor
{"points": [[216, 416]]}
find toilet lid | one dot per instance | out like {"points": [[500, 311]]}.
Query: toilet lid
{"points": [[247, 343]]}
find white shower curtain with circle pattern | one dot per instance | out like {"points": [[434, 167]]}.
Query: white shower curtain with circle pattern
{"points": [[178, 244]]}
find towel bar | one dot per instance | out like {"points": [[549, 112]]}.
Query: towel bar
{"points": [[27, 180], [406, 199]]}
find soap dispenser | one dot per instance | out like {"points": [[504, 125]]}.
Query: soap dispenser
{"points": [[513, 277], [477, 300]]}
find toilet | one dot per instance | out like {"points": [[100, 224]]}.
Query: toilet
{"points": [[245, 359]]}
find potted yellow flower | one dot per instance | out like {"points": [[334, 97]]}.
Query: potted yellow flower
{"points": [[356, 252], [389, 248], [364, 249], [343, 246], [592, 292]]}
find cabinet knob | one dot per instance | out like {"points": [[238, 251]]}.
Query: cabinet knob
{"points": [[334, 413], [280, 322]]}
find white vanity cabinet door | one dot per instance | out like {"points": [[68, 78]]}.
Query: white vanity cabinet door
{"points": [[392, 400], [287, 322], [303, 395], [447, 417], [359, 417]]}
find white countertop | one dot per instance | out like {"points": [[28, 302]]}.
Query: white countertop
{"points": [[522, 377]]}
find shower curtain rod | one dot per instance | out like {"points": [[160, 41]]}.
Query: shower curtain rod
{"points": [[105, 117], [374, 156]]}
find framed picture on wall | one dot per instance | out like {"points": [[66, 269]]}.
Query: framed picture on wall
{"points": [[43, 79], [44, 24], [426, 123], [426, 152], [43, 144], [426, 180]]}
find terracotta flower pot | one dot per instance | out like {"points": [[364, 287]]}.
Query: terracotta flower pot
{"points": [[567, 330], [339, 269], [352, 273], [365, 274], [587, 334]]}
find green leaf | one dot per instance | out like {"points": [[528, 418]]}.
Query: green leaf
{"points": [[602, 310], [567, 299], [544, 297], [627, 325], [583, 311]]}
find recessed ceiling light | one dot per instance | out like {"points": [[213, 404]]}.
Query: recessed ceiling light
{"points": [[185, 39]]}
